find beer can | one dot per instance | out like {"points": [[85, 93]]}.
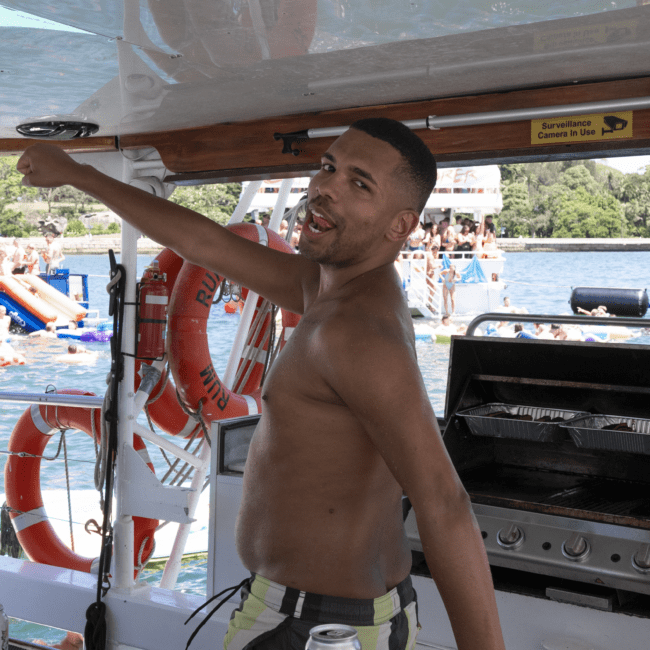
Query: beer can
{"points": [[4, 629], [333, 637]]}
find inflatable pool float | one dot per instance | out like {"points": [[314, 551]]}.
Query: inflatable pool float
{"points": [[65, 333], [424, 333], [102, 336]]}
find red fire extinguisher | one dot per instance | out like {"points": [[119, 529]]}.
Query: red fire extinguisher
{"points": [[152, 314]]}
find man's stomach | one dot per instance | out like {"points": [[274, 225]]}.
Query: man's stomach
{"points": [[314, 539]]}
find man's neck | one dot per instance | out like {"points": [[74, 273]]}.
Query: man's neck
{"points": [[336, 279]]}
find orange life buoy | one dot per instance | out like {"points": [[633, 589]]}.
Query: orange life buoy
{"points": [[23, 485], [191, 366]]}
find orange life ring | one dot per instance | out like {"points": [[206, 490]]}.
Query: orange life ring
{"points": [[190, 363], [23, 485]]}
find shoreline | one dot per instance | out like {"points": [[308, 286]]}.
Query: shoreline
{"points": [[100, 244], [558, 245]]}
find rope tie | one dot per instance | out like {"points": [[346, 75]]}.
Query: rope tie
{"points": [[67, 485], [140, 564]]}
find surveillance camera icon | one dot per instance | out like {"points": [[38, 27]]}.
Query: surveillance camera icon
{"points": [[614, 123]]}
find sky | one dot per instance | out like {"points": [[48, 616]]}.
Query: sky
{"points": [[629, 165]]}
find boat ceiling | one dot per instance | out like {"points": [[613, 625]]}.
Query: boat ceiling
{"points": [[153, 65]]}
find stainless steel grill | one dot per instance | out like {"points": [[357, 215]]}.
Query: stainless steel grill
{"points": [[551, 501]]}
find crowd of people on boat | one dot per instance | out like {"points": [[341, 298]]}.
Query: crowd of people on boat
{"points": [[464, 236], [16, 259]]}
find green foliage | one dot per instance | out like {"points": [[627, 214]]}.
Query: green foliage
{"points": [[75, 228], [67, 211], [98, 230], [517, 215], [216, 202], [12, 223], [113, 228], [578, 198], [584, 214], [11, 187]]}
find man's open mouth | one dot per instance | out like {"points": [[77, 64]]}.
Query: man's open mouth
{"points": [[318, 224]]}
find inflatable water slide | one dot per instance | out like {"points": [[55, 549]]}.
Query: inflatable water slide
{"points": [[32, 303]]}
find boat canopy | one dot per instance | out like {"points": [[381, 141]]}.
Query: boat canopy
{"points": [[475, 190], [209, 84]]}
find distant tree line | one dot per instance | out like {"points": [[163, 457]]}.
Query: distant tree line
{"points": [[553, 199], [21, 207], [574, 199]]}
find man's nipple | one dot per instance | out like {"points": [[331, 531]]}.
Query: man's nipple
{"points": [[265, 397]]}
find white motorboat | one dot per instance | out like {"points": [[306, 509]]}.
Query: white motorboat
{"points": [[160, 94]]}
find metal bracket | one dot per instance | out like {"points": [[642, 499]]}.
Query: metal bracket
{"points": [[288, 139], [145, 496]]}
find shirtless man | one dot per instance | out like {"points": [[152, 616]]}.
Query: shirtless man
{"points": [[53, 254], [31, 259], [19, 265], [347, 426]]}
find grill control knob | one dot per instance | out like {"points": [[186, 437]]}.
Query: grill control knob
{"points": [[576, 547], [510, 537], [641, 559]]}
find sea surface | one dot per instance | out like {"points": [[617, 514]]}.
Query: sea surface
{"points": [[540, 282]]}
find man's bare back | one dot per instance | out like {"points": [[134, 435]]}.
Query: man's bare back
{"points": [[321, 511]]}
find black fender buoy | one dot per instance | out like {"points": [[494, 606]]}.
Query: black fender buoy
{"points": [[619, 302]]}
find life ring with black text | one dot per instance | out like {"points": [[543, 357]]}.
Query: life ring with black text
{"points": [[35, 533], [191, 365]]}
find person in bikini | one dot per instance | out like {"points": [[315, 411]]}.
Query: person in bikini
{"points": [[449, 278], [346, 427]]}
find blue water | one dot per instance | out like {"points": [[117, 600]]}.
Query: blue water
{"points": [[541, 282]]}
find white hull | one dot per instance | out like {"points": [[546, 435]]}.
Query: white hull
{"points": [[425, 296]]}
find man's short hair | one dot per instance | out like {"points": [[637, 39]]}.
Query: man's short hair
{"points": [[419, 166]]}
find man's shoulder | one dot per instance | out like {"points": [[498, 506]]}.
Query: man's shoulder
{"points": [[361, 325]]}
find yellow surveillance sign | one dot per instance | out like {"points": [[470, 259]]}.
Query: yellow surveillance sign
{"points": [[581, 128]]}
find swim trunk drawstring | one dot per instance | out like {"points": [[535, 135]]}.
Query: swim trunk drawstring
{"points": [[232, 590]]}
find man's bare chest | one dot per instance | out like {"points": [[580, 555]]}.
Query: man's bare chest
{"points": [[298, 371]]}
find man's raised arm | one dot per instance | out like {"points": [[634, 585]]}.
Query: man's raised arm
{"points": [[397, 416], [277, 276]]}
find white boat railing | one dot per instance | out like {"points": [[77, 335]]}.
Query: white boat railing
{"points": [[53, 399]]}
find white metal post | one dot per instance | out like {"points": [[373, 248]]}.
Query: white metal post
{"points": [[173, 566], [123, 570], [245, 201], [278, 210]]}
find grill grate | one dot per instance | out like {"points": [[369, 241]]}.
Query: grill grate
{"points": [[557, 493]]}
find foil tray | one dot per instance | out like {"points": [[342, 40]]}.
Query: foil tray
{"points": [[481, 425], [587, 431]]}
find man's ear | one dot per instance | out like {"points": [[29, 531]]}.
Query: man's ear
{"points": [[402, 225]]}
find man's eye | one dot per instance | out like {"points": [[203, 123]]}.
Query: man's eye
{"points": [[327, 167], [360, 184]]}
